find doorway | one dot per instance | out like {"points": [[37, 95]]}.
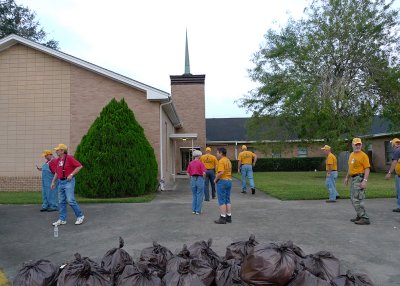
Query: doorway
{"points": [[186, 157]]}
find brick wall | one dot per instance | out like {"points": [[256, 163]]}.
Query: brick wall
{"points": [[22, 184]]}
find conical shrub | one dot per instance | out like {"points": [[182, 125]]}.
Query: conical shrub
{"points": [[118, 159]]}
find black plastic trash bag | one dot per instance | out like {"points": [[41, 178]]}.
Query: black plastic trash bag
{"points": [[157, 255], [323, 265], [174, 262], [228, 273], [83, 271], [138, 275], [202, 250], [272, 264], [239, 250], [38, 273], [115, 259], [352, 279], [305, 278], [184, 276]]}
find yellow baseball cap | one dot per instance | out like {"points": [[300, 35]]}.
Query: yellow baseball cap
{"points": [[244, 147], [47, 152], [326, 147], [61, 147], [395, 140], [208, 149], [357, 141]]}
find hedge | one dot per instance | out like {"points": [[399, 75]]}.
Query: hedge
{"points": [[286, 164]]}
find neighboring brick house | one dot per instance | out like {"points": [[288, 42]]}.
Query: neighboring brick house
{"points": [[49, 97], [232, 133]]}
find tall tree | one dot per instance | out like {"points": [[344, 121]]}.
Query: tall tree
{"points": [[330, 72], [19, 20]]}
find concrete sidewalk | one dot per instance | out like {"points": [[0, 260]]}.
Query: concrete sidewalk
{"points": [[26, 233]]}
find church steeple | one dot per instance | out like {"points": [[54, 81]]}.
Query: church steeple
{"points": [[187, 63]]}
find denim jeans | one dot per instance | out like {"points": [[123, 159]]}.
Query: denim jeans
{"points": [[247, 171], [210, 176], [66, 194], [224, 192], [330, 183], [398, 190], [197, 184], [49, 196]]}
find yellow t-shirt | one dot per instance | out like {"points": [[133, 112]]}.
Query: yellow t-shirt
{"points": [[358, 162], [397, 168], [331, 160], [246, 157], [225, 165], [210, 161]]}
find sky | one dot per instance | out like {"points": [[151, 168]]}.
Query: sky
{"points": [[145, 40]]}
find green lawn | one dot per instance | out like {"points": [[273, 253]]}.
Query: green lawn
{"points": [[36, 198], [311, 185]]}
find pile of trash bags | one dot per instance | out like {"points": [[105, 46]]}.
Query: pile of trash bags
{"points": [[245, 263]]}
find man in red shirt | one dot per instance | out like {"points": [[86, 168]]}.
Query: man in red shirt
{"points": [[66, 169], [197, 172]]}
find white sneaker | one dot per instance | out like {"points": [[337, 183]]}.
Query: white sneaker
{"points": [[59, 222], [79, 220]]}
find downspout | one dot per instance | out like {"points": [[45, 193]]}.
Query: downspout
{"points": [[161, 140]]}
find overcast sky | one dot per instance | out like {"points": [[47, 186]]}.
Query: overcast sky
{"points": [[145, 39]]}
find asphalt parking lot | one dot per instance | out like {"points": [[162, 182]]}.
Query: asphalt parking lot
{"points": [[27, 234]]}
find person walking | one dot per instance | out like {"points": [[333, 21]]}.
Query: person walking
{"points": [[197, 172], [66, 169], [223, 180], [211, 163], [331, 174], [395, 167], [246, 161], [359, 169], [49, 197]]}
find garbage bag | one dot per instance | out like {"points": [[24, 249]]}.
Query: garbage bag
{"points": [[174, 262], [203, 269], [138, 275], [37, 273], [153, 267], [228, 273], [157, 254], [306, 278], [352, 279], [83, 271], [239, 250], [115, 260], [184, 276], [271, 264], [202, 250], [323, 265]]}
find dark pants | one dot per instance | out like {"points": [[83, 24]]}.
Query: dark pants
{"points": [[210, 176]]}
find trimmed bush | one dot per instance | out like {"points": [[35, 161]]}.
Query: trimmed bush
{"points": [[117, 159], [286, 164]]}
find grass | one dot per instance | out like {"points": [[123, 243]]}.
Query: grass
{"points": [[36, 198], [311, 185]]}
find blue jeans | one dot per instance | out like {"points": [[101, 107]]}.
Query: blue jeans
{"points": [[66, 194], [210, 176], [224, 192], [197, 184], [330, 183], [398, 190], [247, 171]]}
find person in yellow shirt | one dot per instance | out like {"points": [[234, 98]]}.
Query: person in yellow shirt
{"points": [[211, 163], [246, 161], [224, 186], [359, 169], [331, 174], [395, 167]]}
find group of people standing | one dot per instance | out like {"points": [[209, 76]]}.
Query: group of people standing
{"points": [[58, 184], [217, 170], [357, 175]]}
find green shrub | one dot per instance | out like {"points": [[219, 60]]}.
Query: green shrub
{"points": [[117, 159], [286, 164]]}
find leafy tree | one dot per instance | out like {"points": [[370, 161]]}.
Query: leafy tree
{"points": [[19, 20], [117, 158], [329, 73]]}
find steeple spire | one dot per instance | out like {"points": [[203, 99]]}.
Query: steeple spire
{"points": [[187, 63]]}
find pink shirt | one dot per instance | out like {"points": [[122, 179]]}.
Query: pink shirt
{"points": [[196, 167]]}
